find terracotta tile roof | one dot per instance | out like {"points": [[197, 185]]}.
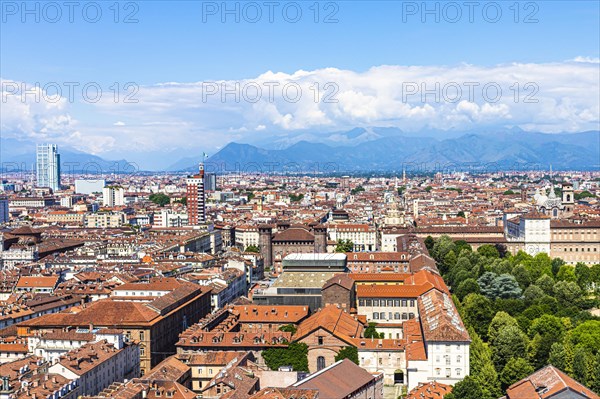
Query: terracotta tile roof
{"points": [[439, 318], [334, 320], [37, 281], [271, 313], [545, 383], [83, 359], [170, 369], [294, 234], [343, 280], [339, 380], [286, 393], [431, 390]]}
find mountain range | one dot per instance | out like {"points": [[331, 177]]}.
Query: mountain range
{"points": [[390, 150], [358, 150], [19, 156]]}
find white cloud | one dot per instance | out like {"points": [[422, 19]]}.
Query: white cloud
{"points": [[551, 97]]}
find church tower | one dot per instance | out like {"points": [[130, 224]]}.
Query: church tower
{"points": [[568, 199]]}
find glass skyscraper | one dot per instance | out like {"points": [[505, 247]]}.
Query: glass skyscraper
{"points": [[48, 166]]}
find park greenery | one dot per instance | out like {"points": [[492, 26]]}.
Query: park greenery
{"points": [[344, 246], [160, 199], [371, 331], [522, 312]]}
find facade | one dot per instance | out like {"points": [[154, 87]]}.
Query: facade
{"points": [[196, 198], [87, 187], [363, 236], [103, 220], [48, 166], [97, 365], [4, 217], [113, 196], [170, 218]]}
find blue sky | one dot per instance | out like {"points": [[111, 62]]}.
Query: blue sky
{"points": [[172, 43], [366, 48]]}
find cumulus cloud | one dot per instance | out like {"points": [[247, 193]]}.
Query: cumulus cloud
{"points": [[550, 97]]}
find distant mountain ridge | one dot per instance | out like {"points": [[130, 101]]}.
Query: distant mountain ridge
{"points": [[19, 156], [502, 150]]}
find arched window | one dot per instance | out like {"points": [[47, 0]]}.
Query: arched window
{"points": [[320, 363], [568, 197], [555, 212]]}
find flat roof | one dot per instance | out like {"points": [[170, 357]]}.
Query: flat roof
{"points": [[315, 256]]}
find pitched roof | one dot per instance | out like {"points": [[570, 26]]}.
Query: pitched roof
{"points": [[338, 380], [334, 320], [546, 383], [430, 390], [440, 319], [294, 234]]}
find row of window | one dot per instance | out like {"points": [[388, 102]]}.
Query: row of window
{"points": [[386, 302], [396, 316], [582, 249], [458, 372]]}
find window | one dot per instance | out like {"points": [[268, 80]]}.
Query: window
{"points": [[369, 302], [458, 358], [382, 315], [142, 351], [397, 316], [361, 302], [320, 363], [448, 374], [390, 302], [375, 315], [447, 360], [380, 361], [404, 302], [396, 302], [375, 302], [390, 316], [411, 315], [458, 371], [412, 303], [447, 348], [142, 336], [438, 371], [320, 340]]}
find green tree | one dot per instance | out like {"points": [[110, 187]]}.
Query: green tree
{"points": [[544, 331], [288, 328], [500, 320], [468, 388], [586, 334], [546, 283], [348, 352], [561, 356], [252, 248], [532, 294], [428, 188], [357, 190], [510, 342], [503, 286], [429, 242], [583, 275], [567, 292], [160, 199], [371, 331], [478, 313], [466, 287], [515, 370], [566, 273], [482, 368], [460, 214], [296, 197], [295, 355], [344, 246], [489, 251], [583, 365]]}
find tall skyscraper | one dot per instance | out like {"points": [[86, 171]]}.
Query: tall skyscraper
{"points": [[195, 198], [3, 211], [48, 166]]}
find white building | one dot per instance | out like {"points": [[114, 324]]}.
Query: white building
{"points": [[170, 218], [113, 196], [89, 186], [363, 236], [97, 365], [531, 229]]}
